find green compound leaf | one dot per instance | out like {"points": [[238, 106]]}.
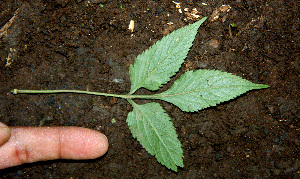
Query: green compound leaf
{"points": [[152, 127], [200, 89], [156, 65]]}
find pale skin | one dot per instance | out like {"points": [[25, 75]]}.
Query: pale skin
{"points": [[19, 145]]}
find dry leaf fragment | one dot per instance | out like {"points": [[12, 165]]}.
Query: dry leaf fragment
{"points": [[177, 4], [11, 56], [216, 14], [131, 25]]}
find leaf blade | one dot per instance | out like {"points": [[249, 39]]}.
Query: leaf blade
{"points": [[156, 65], [200, 89], [152, 127]]}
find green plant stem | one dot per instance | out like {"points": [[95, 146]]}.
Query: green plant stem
{"points": [[18, 91], [130, 101]]}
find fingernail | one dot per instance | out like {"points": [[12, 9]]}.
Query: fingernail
{"points": [[3, 125], [4, 133]]}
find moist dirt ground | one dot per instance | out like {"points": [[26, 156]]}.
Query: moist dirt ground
{"points": [[86, 45]]}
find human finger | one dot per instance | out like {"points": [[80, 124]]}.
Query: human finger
{"points": [[31, 144]]}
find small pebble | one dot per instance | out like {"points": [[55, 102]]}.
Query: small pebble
{"points": [[213, 43]]}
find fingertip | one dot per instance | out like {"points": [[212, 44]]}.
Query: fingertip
{"points": [[84, 144], [97, 143], [103, 144], [5, 133]]}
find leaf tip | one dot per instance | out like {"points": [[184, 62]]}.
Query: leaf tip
{"points": [[261, 86], [265, 86]]}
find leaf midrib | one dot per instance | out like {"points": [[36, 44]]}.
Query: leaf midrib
{"points": [[157, 96], [162, 141]]}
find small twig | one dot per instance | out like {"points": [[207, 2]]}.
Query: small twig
{"points": [[4, 29]]}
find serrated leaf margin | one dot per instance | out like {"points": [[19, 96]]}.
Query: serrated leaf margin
{"points": [[196, 90], [156, 65], [152, 127]]}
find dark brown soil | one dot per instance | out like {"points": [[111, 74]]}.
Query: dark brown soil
{"points": [[68, 44]]}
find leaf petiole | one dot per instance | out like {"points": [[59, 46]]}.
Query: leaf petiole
{"points": [[18, 91]]}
